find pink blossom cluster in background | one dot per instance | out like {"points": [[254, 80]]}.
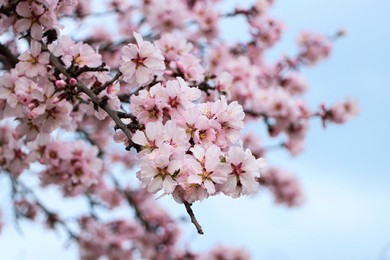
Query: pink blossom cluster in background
{"points": [[163, 97]]}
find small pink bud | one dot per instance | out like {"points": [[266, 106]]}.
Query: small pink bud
{"points": [[73, 82], [61, 84]]}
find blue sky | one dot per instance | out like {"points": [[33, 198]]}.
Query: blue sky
{"points": [[345, 170]]}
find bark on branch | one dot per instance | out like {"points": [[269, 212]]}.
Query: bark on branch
{"points": [[8, 59], [193, 218], [94, 98]]}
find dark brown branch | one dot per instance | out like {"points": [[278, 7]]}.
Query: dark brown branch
{"points": [[193, 218], [204, 86], [254, 114], [8, 59], [10, 8], [94, 98], [83, 69], [125, 115], [124, 98], [108, 83]]}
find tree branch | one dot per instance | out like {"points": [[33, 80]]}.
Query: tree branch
{"points": [[8, 59], [108, 83], [193, 218], [94, 98], [85, 68]]}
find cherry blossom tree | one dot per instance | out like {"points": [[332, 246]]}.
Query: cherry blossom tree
{"points": [[156, 102]]}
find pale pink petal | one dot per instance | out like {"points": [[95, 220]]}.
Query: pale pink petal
{"points": [[22, 25], [129, 52], [210, 187], [44, 58], [138, 38], [212, 155], [153, 63], [23, 9], [169, 184], [230, 184], [174, 166], [35, 48], [236, 155], [249, 184], [146, 49], [219, 176], [155, 185], [36, 31], [194, 178], [139, 138], [141, 75], [198, 152], [153, 129]]}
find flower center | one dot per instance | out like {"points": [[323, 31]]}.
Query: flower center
{"points": [[202, 134], [139, 61], [153, 113], [77, 59], [237, 169]]}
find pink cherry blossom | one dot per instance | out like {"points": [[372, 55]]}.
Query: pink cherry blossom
{"points": [[152, 138], [33, 18], [158, 170], [172, 46], [284, 186], [34, 62], [314, 47], [244, 168], [141, 62], [206, 168]]}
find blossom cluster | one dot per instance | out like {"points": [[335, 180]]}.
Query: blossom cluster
{"points": [[72, 166], [283, 185], [188, 148], [13, 154]]}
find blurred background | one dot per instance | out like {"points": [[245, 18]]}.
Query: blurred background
{"points": [[344, 170]]}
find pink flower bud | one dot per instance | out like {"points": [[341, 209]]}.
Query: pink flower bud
{"points": [[73, 82], [61, 84]]}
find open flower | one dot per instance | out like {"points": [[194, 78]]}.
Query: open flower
{"points": [[34, 62], [158, 170], [243, 170], [141, 62], [206, 168]]}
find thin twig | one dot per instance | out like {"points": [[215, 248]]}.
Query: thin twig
{"points": [[108, 83], [193, 218], [85, 68], [8, 59], [94, 98]]}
